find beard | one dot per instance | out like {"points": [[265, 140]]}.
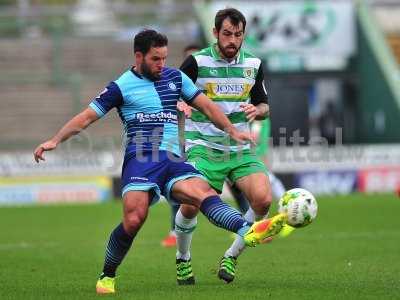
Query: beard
{"points": [[224, 50], [148, 74]]}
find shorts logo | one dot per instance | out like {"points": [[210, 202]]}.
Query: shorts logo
{"points": [[172, 86], [139, 178]]}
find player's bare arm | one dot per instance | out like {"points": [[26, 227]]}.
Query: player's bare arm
{"points": [[72, 127], [214, 113], [255, 112]]}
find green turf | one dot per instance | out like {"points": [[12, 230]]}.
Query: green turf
{"points": [[352, 251]]}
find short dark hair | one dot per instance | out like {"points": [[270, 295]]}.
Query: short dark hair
{"points": [[148, 38], [233, 14]]}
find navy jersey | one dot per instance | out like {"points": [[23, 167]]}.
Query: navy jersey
{"points": [[147, 108]]}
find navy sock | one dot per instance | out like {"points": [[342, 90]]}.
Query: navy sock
{"points": [[118, 245], [223, 215]]}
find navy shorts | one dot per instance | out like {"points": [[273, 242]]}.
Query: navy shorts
{"points": [[155, 175]]}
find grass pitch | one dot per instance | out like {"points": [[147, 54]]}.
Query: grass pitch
{"points": [[351, 251]]}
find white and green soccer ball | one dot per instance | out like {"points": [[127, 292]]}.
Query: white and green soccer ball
{"points": [[300, 207]]}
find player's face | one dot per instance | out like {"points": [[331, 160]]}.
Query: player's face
{"points": [[229, 38], [153, 62]]}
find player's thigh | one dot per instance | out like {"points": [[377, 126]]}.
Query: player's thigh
{"points": [[256, 187], [192, 191], [213, 167], [142, 176], [250, 176]]}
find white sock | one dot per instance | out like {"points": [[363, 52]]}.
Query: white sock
{"points": [[184, 230], [238, 244], [277, 187]]}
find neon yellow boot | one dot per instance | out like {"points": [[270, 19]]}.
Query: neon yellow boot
{"points": [[264, 229], [105, 285]]}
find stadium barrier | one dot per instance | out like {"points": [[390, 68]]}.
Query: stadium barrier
{"points": [[45, 190], [88, 176]]}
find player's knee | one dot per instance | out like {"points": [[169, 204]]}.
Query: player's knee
{"points": [[198, 192], [262, 204], [268, 199], [203, 193], [134, 220], [189, 211]]}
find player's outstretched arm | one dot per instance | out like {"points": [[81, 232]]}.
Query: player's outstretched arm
{"points": [[214, 113], [72, 127]]}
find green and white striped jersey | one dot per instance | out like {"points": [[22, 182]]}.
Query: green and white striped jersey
{"points": [[228, 84]]}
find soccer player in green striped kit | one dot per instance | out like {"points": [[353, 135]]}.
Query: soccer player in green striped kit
{"points": [[234, 80]]}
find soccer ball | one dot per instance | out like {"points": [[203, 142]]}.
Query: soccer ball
{"points": [[300, 206]]}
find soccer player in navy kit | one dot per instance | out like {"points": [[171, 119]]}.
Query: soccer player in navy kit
{"points": [[145, 97]]}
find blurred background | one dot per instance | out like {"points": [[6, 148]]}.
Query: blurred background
{"points": [[332, 76]]}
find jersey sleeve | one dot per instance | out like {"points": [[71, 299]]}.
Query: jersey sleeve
{"points": [[108, 99], [190, 68], [258, 92], [189, 89]]}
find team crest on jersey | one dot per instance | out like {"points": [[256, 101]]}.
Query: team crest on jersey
{"points": [[172, 86], [248, 72]]}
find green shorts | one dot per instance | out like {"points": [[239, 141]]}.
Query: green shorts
{"points": [[217, 166]]}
